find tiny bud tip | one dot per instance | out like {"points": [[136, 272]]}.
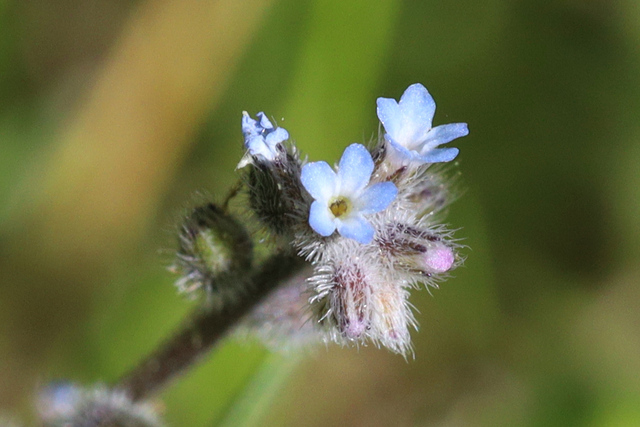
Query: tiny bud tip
{"points": [[439, 259]]}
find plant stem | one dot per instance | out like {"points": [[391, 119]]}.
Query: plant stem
{"points": [[204, 330]]}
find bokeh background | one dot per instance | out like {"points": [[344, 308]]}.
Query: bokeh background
{"points": [[114, 114]]}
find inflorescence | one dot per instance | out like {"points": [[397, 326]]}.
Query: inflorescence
{"points": [[347, 245], [369, 228]]}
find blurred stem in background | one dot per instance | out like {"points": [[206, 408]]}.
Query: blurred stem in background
{"points": [[204, 330], [98, 191], [338, 73], [256, 399]]}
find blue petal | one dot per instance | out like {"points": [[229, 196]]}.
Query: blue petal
{"points": [[377, 197], [354, 170], [409, 121], [249, 126], [440, 155], [264, 121], [260, 137], [418, 108], [321, 219], [403, 151], [276, 136], [390, 115], [319, 180], [257, 147], [418, 105], [443, 134], [356, 228]]}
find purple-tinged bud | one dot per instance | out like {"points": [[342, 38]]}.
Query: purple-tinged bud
{"points": [[355, 327], [343, 299], [350, 300], [213, 249], [391, 317], [420, 252], [438, 258], [430, 194]]}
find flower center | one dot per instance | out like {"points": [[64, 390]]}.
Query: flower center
{"points": [[339, 207]]}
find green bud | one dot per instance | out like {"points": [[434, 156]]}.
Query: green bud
{"points": [[213, 249]]}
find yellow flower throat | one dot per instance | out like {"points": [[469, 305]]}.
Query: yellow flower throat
{"points": [[339, 207]]}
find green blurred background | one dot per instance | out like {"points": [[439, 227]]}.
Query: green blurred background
{"points": [[113, 114]]}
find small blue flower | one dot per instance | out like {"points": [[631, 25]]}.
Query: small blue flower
{"points": [[58, 398], [261, 138], [343, 198], [408, 127]]}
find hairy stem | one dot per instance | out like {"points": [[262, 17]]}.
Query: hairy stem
{"points": [[203, 331]]}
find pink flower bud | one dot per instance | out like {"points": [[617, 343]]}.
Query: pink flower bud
{"points": [[438, 259], [350, 301], [391, 317]]}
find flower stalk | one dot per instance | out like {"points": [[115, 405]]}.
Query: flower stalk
{"points": [[203, 331]]}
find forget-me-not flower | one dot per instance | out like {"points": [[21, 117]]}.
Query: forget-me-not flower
{"points": [[261, 138], [343, 198], [408, 127]]}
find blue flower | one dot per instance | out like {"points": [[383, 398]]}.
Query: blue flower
{"points": [[261, 138], [408, 127], [343, 198], [59, 398]]}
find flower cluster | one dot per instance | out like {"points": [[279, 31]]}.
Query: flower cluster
{"points": [[369, 228]]}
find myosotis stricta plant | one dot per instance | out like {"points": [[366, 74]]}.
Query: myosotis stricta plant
{"points": [[346, 246]]}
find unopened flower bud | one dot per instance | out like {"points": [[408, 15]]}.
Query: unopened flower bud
{"points": [[349, 302], [421, 253], [438, 258], [430, 194], [213, 248], [276, 195], [343, 300], [391, 318]]}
